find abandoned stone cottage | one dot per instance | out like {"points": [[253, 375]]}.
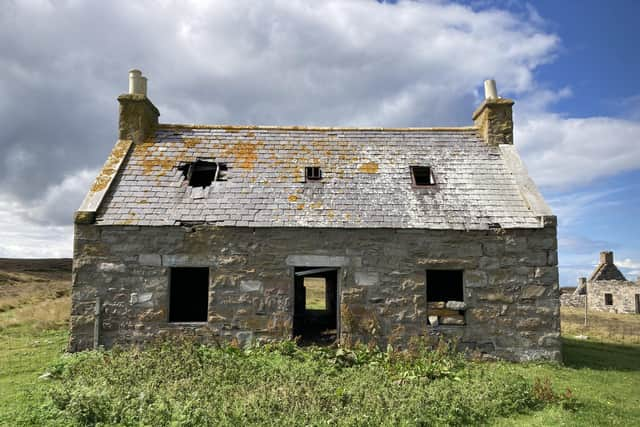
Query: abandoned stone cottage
{"points": [[217, 232], [606, 290]]}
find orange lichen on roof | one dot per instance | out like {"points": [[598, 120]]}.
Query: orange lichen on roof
{"points": [[292, 198], [191, 142], [370, 167], [152, 160], [316, 205], [245, 153], [300, 206], [109, 169]]}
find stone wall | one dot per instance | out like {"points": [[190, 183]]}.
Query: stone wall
{"points": [[570, 300], [623, 295], [510, 284]]}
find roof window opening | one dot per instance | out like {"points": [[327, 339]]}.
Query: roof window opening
{"points": [[313, 173], [422, 176], [202, 173]]}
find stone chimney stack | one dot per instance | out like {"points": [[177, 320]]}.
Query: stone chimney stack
{"points": [[606, 257], [494, 117], [138, 115]]}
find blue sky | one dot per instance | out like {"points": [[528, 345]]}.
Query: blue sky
{"points": [[599, 60], [571, 66]]}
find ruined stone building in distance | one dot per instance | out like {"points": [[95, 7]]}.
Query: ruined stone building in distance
{"points": [[225, 232], [606, 290]]}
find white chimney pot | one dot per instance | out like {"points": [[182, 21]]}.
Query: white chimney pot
{"points": [[490, 91], [137, 83], [143, 85]]}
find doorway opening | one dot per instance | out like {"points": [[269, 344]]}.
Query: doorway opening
{"points": [[637, 303], [315, 311]]}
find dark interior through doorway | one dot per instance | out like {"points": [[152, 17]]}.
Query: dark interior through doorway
{"points": [[315, 312]]}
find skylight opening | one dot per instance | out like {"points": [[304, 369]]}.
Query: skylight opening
{"points": [[422, 176], [313, 173]]}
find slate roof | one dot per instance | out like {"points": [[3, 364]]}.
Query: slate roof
{"points": [[605, 271], [366, 180]]}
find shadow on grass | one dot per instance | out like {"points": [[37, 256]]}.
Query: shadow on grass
{"points": [[601, 356]]}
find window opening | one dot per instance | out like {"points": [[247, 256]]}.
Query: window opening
{"points": [[202, 173], [188, 294], [608, 299], [445, 297], [422, 176], [313, 173]]}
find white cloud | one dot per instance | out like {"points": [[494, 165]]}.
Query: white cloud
{"points": [[61, 200], [41, 228], [628, 263], [564, 152], [22, 238], [631, 268]]}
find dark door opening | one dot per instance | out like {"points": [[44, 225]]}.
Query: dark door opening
{"points": [[637, 303], [315, 311]]}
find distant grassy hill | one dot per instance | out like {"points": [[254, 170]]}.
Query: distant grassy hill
{"points": [[34, 291]]}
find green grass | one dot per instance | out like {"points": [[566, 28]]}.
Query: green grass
{"points": [[604, 378], [315, 293], [25, 353]]}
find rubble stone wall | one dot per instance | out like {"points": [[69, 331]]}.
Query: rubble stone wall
{"points": [[623, 295], [510, 278], [570, 300]]}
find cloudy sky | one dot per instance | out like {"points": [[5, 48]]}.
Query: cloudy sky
{"points": [[572, 70]]}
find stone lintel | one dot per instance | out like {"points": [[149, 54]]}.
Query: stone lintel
{"points": [[317, 261]]}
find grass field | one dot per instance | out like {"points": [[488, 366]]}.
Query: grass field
{"points": [[315, 293], [283, 386]]}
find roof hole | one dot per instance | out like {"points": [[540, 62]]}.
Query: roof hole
{"points": [[422, 175], [202, 173]]}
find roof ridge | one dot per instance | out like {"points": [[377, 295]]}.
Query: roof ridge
{"points": [[319, 128]]}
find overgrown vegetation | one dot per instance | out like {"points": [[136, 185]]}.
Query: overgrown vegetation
{"points": [[183, 383]]}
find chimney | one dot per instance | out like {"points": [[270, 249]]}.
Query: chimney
{"points": [[493, 117], [138, 115], [606, 257]]}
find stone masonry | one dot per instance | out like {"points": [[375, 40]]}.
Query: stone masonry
{"points": [[510, 284], [625, 296]]}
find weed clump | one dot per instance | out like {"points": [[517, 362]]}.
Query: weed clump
{"points": [[180, 382]]}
